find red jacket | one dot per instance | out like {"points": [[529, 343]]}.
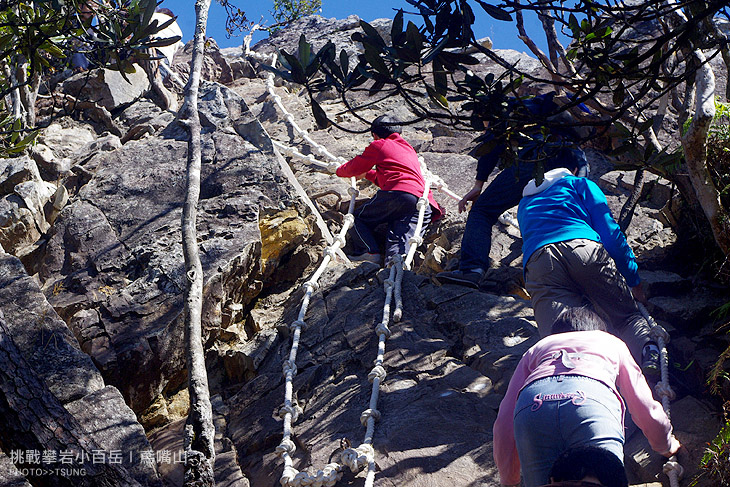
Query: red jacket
{"points": [[396, 169]]}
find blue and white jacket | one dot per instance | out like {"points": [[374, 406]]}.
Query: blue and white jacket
{"points": [[565, 207]]}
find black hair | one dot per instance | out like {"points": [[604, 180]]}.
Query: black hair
{"points": [[385, 125], [577, 319], [164, 10], [583, 461]]}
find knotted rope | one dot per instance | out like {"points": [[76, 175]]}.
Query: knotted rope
{"points": [[672, 468], [362, 457], [290, 411]]}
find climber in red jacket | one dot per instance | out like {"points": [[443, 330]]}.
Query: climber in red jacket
{"points": [[392, 165]]}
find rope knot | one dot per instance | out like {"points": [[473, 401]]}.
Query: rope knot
{"points": [[663, 389], [349, 219], [340, 239], [312, 285], [286, 447], [673, 466], [357, 458], [332, 473], [331, 252], [293, 410], [367, 414], [301, 479], [332, 167], [659, 333], [388, 284], [379, 372], [288, 476], [289, 367], [353, 191], [382, 329], [416, 239], [422, 202], [297, 324]]}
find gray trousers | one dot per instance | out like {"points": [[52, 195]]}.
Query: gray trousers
{"points": [[566, 274]]}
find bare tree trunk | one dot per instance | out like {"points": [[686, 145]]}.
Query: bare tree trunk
{"points": [[16, 106], [28, 91], [694, 142], [199, 430], [33, 419], [152, 68], [627, 210]]}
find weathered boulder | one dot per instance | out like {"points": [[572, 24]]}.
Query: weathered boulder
{"points": [[107, 88], [114, 256], [68, 139], [215, 65], [51, 350], [105, 417]]}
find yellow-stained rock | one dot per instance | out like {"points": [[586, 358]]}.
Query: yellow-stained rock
{"points": [[279, 233]]}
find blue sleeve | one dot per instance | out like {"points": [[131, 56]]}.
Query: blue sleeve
{"points": [[612, 238]]}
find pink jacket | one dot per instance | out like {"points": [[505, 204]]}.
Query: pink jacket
{"points": [[396, 169], [606, 359]]}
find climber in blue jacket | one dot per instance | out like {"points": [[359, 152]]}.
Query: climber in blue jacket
{"points": [[574, 250]]}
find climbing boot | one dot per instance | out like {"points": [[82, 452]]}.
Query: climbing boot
{"points": [[470, 279], [650, 361]]}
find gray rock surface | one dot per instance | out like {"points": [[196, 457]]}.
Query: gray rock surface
{"points": [[114, 254], [104, 416], [215, 65], [49, 347], [107, 88]]}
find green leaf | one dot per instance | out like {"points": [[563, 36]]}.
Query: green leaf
{"points": [[414, 38], [434, 52], [436, 97], [150, 6], [297, 72], [496, 12], [646, 125], [372, 34], [282, 74], [167, 41], [374, 59], [397, 28], [439, 78], [53, 50], [319, 115], [344, 62], [305, 51], [619, 94]]}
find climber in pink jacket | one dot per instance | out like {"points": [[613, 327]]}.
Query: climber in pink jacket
{"points": [[392, 165], [571, 389]]}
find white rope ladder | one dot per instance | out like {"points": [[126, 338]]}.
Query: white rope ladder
{"points": [[672, 468], [362, 457]]}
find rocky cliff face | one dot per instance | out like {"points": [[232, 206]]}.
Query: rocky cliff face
{"points": [[94, 297]]}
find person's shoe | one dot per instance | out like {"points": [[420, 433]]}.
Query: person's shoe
{"points": [[650, 361], [366, 257], [462, 278]]}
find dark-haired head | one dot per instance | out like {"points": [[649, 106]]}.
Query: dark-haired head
{"points": [[589, 462], [577, 319], [164, 10], [385, 125]]}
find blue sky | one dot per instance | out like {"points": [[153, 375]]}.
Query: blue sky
{"points": [[503, 34]]}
